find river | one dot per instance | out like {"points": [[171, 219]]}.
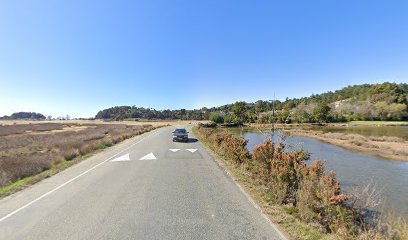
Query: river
{"points": [[354, 170]]}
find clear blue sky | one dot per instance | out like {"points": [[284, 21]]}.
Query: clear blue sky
{"points": [[76, 57]]}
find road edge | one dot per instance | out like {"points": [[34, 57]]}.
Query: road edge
{"points": [[222, 166]]}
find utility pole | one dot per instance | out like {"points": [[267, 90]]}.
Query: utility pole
{"points": [[273, 113]]}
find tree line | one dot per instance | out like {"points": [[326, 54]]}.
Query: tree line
{"points": [[133, 112], [385, 101], [24, 116]]}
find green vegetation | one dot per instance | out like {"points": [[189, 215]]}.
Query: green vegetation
{"points": [[128, 112], [25, 116], [367, 102], [303, 198], [217, 117]]}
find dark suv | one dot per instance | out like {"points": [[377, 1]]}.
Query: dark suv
{"points": [[180, 134]]}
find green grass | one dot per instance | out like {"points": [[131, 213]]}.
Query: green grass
{"points": [[379, 123]]}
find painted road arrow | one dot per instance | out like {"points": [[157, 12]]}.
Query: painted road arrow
{"points": [[149, 156], [191, 150], [121, 158], [174, 149]]}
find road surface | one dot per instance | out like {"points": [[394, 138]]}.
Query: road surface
{"points": [[147, 187]]}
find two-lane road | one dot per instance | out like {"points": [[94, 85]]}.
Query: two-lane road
{"points": [[145, 188]]}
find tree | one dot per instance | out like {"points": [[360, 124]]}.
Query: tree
{"points": [[321, 112], [386, 101], [27, 115], [284, 114], [228, 118], [239, 112], [301, 116], [217, 117]]}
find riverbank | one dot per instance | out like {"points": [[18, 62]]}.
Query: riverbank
{"points": [[378, 123], [308, 210], [385, 147]]}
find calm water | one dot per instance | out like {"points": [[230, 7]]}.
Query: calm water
{"points": [[354, 169], [376, 131]]}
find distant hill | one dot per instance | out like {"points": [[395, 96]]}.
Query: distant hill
{"points": [[385, 101], [24, 116]]}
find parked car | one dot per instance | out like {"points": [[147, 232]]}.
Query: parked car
{"points": [[180, 134]]}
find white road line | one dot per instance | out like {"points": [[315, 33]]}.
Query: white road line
{"points": [[149, 156], [121, 158], [72, 179]]}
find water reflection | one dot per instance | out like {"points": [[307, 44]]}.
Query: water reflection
{"points": [[375, 131]]}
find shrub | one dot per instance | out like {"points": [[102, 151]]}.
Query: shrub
{"points": [[279, 170], [4, 178], [227, 145], [319, 199], [228, 118], [208, 125], [87, 148], [235, 148], [108, 143], [262, 156], [312, 195], [71, 153], [217, 117]]}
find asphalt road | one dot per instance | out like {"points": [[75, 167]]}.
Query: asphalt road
{"points": [[182, 194]]}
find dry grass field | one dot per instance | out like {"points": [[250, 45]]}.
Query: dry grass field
{"points": [[29, 148], [154, 123]]}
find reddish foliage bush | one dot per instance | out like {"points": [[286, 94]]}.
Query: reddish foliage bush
{"points": [[235, 148], [314, 194], [279, 170], [228, 145], [263, 156]]}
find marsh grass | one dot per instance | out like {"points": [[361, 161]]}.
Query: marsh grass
{"points": [[25, 157], [32, 127]]}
